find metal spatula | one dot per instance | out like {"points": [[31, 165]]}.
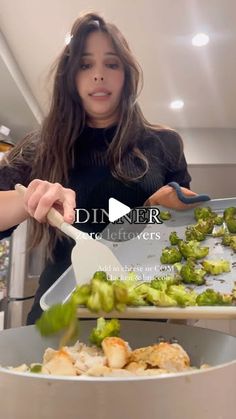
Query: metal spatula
{"points": [[88, 255]]}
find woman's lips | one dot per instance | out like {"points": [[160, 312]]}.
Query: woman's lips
{"points": [[100, 92], [100, 95]]}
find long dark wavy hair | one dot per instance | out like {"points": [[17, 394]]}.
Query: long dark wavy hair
{"points": [[51, 151]]}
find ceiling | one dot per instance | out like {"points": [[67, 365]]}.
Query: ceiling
{"points": [[159, 32]]}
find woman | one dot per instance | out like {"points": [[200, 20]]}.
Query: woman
{"points": [[94, 144]]}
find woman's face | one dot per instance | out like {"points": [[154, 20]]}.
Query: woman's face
{"points": [[100, 80]]}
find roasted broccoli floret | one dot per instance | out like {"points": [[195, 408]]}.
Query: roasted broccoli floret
{"points": [[60, 317], [192, 249], [229, 213], [137, 295], [162, 283], [230, 219], [82, 294], [229, 240], [164, 215], [36, 368], [182, 296], [94, 302], [103, 293], [170, 255], [233, 243], [212, 298], [160, 298], [101, 275], [216, 267], [178, 267], [120, 291], [218, 220], [173, 238], [104, 329], [192, 274], [205, 226], [203, 213], [226, 239], [192, 233], [231, 225]]}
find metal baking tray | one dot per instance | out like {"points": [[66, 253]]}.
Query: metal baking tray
{"points": [[143, 257]]}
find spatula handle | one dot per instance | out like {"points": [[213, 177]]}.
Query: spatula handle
{"points": [[53, 216]]}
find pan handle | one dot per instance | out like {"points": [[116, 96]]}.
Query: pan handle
{"points": [[53, 216]]}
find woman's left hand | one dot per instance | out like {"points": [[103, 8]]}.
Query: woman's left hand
{"points": [[167, 197]]}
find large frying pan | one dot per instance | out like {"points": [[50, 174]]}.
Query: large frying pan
{"points": [[206, 394]]}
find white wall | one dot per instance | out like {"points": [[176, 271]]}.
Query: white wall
{"points": [[211, 157], [209, 145]]}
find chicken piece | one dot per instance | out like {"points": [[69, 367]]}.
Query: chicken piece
{"points": [[117, 351], [59, 364], [171, 357], [141, 355], [152, 371], [136, 366], [20, 368], [103, 371], [98, 371], [167, 356], [86, 361], [118, 372], [204, 366], [48, 355]]}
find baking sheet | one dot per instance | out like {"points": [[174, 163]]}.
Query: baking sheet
{"points": [[142, 255]]}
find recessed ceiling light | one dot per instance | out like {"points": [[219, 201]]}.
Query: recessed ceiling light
{"points": [[68, 38], [177, 104], [200, 40]]}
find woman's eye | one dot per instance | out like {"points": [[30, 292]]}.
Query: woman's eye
{"points": [[84, 66], [113, 65]]}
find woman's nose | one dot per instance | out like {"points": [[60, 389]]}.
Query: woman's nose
{"points": [[97, 78]]}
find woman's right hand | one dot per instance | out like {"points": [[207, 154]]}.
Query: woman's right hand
{"points": [[41, 195]]}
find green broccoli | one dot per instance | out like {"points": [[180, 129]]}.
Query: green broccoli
{"points": [[202, 213], [212, 298], [231, 225], [162, 283], [218, 220], [230, 219], [170, 255], [60, 317], [137, 295], [205, 226], [164, 215], [104, 329], [173, 238], [192, 233], [233, 243], [216, 267], [36, 368], [102, 295], [229, 240], [178, 267], [192, 249], [82, 294], [182, 296], [101, 275], [160, 298], [191, 274], [120, 291], [229, 213], [94, 302], [226, 239]]}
